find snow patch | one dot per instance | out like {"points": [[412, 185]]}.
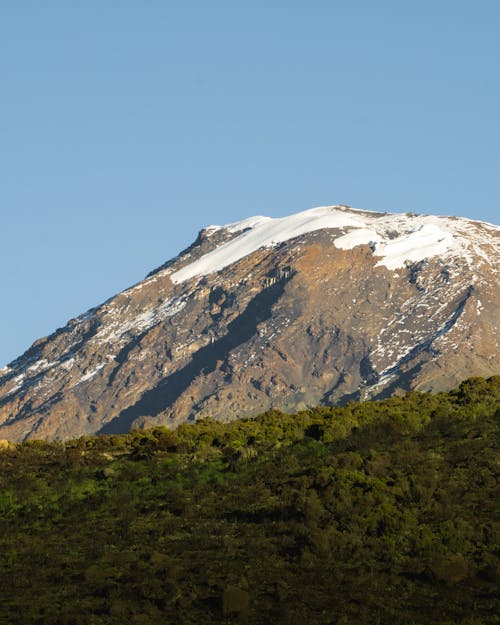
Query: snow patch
{"points": [[262, 232], [40, 365], [427, 240], [245, 224], [18, 383], [395, 239], [90, 374], [115, 329]]}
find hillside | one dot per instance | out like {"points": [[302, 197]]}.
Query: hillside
{"points": [[381, 512], [320, 307]]}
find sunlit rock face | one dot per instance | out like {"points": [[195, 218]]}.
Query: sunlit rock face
{"points": [[320, 307]]}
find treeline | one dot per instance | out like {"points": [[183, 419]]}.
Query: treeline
{"points": [[380, 512]]}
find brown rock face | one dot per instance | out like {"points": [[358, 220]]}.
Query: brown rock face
{"points": [[304, 321]]}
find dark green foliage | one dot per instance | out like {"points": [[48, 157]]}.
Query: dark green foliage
{"points": [[383, 512]]}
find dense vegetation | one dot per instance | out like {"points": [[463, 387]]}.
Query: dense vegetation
{"points": [[382, 512]]}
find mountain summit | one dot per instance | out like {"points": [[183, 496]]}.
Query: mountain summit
{"points": [[321, 307]]}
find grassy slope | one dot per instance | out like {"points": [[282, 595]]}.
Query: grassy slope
{"points": [[383, 512]]}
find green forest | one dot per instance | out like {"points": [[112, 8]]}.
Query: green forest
{"points": [[381, 512]]}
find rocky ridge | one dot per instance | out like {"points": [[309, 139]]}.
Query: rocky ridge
{"points": [[323, 306]]}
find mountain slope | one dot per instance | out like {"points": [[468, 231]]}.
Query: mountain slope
{"points": [[324, 306]]}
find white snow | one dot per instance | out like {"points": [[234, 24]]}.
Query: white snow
{"points": [[259, 232], [90, 374], [382, 381], [360, 236], [67, 364], [394, 238], [427, 240], [116, 328], [211, 229], [250, 222], [40, 366], [18, 383]]}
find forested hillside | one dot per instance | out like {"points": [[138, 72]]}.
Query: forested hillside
{"points": [[384, 512]]}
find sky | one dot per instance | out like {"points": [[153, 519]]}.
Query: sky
{"points": [[125, 127]]}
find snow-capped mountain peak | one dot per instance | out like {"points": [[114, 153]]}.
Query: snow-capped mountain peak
{"points": [[320, 306]]}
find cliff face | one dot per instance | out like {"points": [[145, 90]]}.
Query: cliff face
{"points": [[321, 307]]}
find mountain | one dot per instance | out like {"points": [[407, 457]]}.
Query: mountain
{"points": [[321, 307]]}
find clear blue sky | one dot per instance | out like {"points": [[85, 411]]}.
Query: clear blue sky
{"points": [[126, 126]]}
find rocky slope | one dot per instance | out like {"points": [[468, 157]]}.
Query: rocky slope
{"points": [[324, 306]]}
